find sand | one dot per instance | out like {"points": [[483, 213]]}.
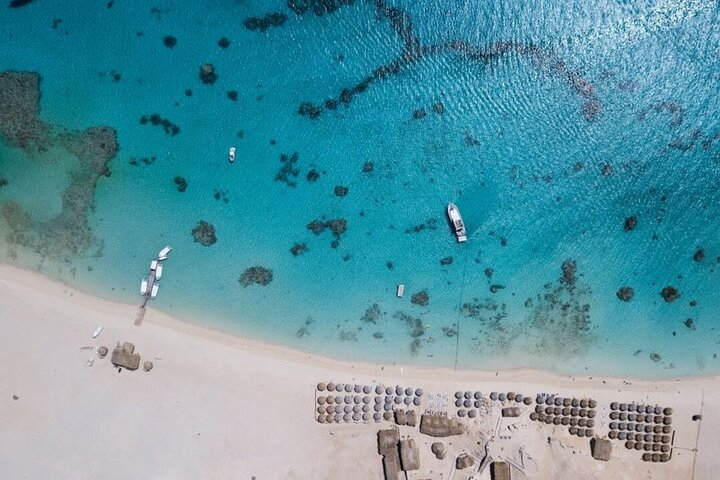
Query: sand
{"points": [[217, 406]]}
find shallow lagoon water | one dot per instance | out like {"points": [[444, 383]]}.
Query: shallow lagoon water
{"points": [[540, 177]]}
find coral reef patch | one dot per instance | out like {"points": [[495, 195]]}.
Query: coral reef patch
{"points": [[204, 233], [261, 24], [288, 171], [20, 125], [256, 275], [156, 120]]}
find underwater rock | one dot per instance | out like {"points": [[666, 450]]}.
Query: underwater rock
{"points": [[223, 43], [288, 172], [446, 261], [489, 272], [298, 249], [337, 226], [607, 170], [19, 110], [144, 160], [419, 113], [699, 255], [438, 108], [3, 182], [430, 224], [232, 95], [312, 175], [471, 141], [670, 294], [259, 275], [331, 104], [655, 357], [169, 41], [689, 323], [372, 314], [341, 191], [368, 167], [421, 298], [415, 326], [19, 3], [630, 223], [389, 265], [181, 184], [449, 331], [569, 268], [188, 92], [204, 233], [156, 120], [275, 19], [208, 76], [496, 287], [625, 293], [309, 110], [677, 113]]}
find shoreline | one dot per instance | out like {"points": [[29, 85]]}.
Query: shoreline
{"points": [[216, 405], [31, 278]]}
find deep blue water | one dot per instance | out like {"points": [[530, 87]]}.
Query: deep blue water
{"points": [[548, 124]]}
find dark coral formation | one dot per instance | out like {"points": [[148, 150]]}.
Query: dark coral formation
{"points": [[689, 323], [670, 294], [430, 224], [3, 182], [169, 41], [298, 249], [446, 261], [208, 76], [204, 233], [337, 226], [312, 175], [223, 43], [156, 120], [135, 161], [672, 108], [67, 235], [630, 223], [625, 293], [232, 95], [318, 7], [275, 19], [256, 275], [413, 51], [288, 171], [416, 330], [341, 191], [421, 298], [439, 108], [372, 314], [368, 167], [19, 3], [699, 255], [419, 113], [181, 183], [20, 125]]}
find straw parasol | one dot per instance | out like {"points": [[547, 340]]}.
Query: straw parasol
{"points": [[574, 421], [657, 429], [347, 409], [322, 400], [632, 417], [664, 457], [379, 389], [649, 409], [533, 416], [358, 389], [467, 403], [573, 430], [321, 386], [541, 417], [558, 401], [461, 413], [614, 406], [339, 387], [623, 407], [574, 412], [613, 434], [321, 418], [366, 389], [656, 447], [592, 403], [638, 427], [656, 438], [356, 417], [320, 409], [419, 392], [581, 432], [407, 400], [667, 411], [591, 413], [638, 446], [640, 408], [472, 413], [357, 409], [582, 422], [666, 429], [409, 391], [377, 417], [549, 400], [667, 420], [502, 397], [511, 396], [565, 421], [557, 421], [357, 399], [388, 416], [665, 439], [349, 388], [589, 432], [366, 399], [458, 394], [438, 449], [583, 412], [648, 428], [459, 402], [539, 399], [549, 419], [557, 411], [330, 409], [649, 418], [591, 423], [614, 415], [623, 416], [468, 394], [665, 448], [583, 403], [621, 435], [647, 457], [640, 417], [527, 401], [566, 411], [566, 402], [330, 387], [416, 401]]}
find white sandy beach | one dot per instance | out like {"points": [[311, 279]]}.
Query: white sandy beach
{"points": [[217, 406]]}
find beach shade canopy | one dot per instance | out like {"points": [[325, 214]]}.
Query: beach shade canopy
{"points": [[493, 396], [567, 402], [667, 420], [349, 388], [502, 397], [533, 416], [389, 391], [592, 403], [416, 401], [347, 409], [322, 386], [398, 400], [379, 389], [558, 402], [458, 394], [357, 409], [467, 403], [438, 449], [667, 411], [613, 434], [623, 407], [459, 402], [378, 407], [614, 406], [358, 389], [472, 413], [357, 399], [468, 395], [331, 387], [649, 409], [477, 395], [102, 352], [356, 417], [409, 391], [549, 400], [377, 417], [539, 399], [366, 389], [339, 387], [407, 400], [527, 400], [419, 392], [398, 390], [461, 413], [388, 416]]}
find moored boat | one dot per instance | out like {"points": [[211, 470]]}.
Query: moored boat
{"points": [[231, 154], [457, 222], [158, 272], [143, 286], [155, 288], [163, 255], [400, 290]]}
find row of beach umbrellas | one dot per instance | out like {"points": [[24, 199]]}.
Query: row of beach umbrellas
{"points": [[367, 389], [646, 409]]}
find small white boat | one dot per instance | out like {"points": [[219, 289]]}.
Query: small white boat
{"points": [[97, 331], [155, 289], [400, 290], [163, 255], [457, 222], [158, 272], [153, 265], [143, 286], [231, 154]]}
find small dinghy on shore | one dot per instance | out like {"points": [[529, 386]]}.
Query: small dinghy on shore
{"points": [[457, 222], [97, 331]]}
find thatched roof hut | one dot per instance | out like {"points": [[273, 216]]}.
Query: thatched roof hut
{"points": [[600, 449], [400, 417], [388, 448], [440, 426], [409, 455], [500, 471], [438, 449], [511, 412], [464, 461], [411, 418], [125, 356]]}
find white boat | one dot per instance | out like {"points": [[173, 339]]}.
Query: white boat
{"points": [[97, 331], [457, 222], [155, 289], [158, 272], [153, 265], [231, 154], [143, 286], [163, 255], [400, 290]]}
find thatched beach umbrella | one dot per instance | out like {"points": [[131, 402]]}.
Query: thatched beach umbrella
{"points": [[623, 407], [574, 402], [591, 413], [666, 429], [590, 423], [534, 416], [549, 419], [574, 421], [582, 422], [357, 399], [589, 432], [649, 418], [583, 403], [461, 413], [565, 421], [321, 386], [640, 408], [539, 399], [614, 406], [365, 417], [502, 397], [388, 416], [472, 413], [640, 417], [557, 411], [467, 403], [339, 387], [458, 394], [638, 427], [539, 409], [377, 407], [349, 388], [665, 448], [321, 418], [656, 447], [614, 415], [592, 403], [357, 388], [389, 390], [357, 409], [366, 399], [377, 417], [566, 402], [416, 401], [613, 426], [656, 438], [574, 412], [549, 410], [407, 400], [329, 418], [419, 392], [550, 400], [667, 420], [557, 421], [477, 403], [667, 411], [573, 430], [379, 389], [646, 457], [623, 416], [664, 457], [638, 446], [409, 391], [632, 416], [331, 387], [366, 389], [583, 412], [613, 434], [511, 396], [665, 439], [459, 402], [320, 409], [527, 401], [347, 408], [648, 428], [541, 417], [468, 395], [322, 400], [398, 400], [558, 402], [330, 409], [566, 411], [581, 432], [657, 429]]}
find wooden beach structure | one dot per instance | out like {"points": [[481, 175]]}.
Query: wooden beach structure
{"points": [[149, 285]]}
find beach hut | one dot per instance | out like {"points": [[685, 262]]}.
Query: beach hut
{"points": [[409, 455], [511, 412], [600, 449], [500, 471], [124, 356], [411, 418], [388, 448], [400, 417], [440, 426], [464, 461]]}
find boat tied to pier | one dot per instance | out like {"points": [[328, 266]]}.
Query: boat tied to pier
{"points": [[457, 222]]}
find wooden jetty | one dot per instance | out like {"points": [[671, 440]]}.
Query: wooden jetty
{"points": [[149, 288]]}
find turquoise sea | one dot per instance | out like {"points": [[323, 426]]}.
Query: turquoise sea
{"points": [[580, 140]]}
